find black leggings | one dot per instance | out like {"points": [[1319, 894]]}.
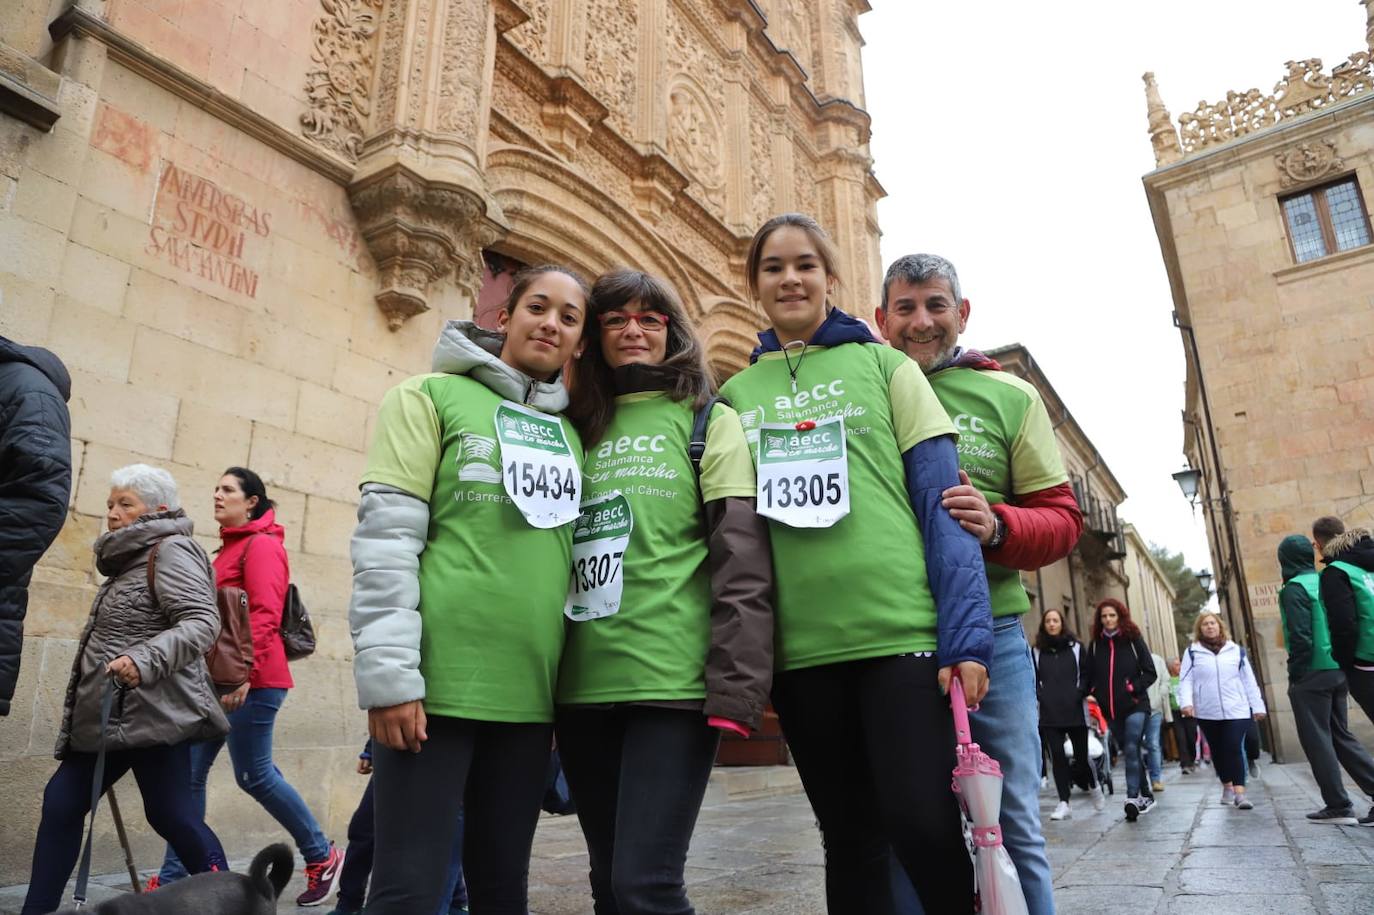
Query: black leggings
{"points": [[495, 772], [163, 775], [1227, 740], [638, 775], [1082, 771], [873, 741]]}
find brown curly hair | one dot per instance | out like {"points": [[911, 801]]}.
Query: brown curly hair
{"points": [[1127, 628]]}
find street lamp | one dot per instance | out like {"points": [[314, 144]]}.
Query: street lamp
{"points": [[1204, 579], [1189, 480]]}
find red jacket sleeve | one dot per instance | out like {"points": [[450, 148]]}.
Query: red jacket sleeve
{"points": [[265, 578], [1042, 528]]}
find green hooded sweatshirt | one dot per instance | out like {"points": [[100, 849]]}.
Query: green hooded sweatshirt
{"points": [[1304, 618]]}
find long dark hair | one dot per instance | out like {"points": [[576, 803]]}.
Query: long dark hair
{"points": [[1123, 622], [683, 373], [1044, 641], [252, 485]]}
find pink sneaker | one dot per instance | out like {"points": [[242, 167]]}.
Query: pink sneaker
{"points": [[320, 878]]}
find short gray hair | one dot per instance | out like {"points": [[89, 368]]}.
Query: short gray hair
{"points": [[153, 485], [922, 268]]}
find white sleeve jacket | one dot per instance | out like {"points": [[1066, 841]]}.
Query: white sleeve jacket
{"points": [[1219, 686]]}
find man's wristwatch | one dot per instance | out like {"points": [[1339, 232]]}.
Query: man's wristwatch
{"points": [[999, 532]]}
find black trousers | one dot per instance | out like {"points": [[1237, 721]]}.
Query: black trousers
{"points": [[1185, 731], [873, 741], [495, 772], [164, 779], [1227, 738], [1065, 774], [1361, 686], [637, 775], [1319, 711]]}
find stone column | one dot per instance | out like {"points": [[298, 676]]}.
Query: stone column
{"points": [[419, 192]]}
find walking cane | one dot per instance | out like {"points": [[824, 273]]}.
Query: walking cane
{"points": [[124, 841]]}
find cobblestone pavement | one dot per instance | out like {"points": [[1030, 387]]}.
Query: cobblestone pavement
{"points": [[761, 856]]}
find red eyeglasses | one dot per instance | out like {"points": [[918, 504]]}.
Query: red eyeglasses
{"points": [[647, 320]]}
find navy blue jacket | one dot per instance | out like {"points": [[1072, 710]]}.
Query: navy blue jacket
{"points": [[954, 558], [35, 482]]}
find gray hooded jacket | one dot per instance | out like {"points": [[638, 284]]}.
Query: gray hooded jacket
{"points": [[166, 636], [393, 526]]}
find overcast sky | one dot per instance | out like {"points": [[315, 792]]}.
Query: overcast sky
{"points": [[1011, 138]]}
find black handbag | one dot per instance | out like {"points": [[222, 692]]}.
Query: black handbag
{"points": [[297, 632]]}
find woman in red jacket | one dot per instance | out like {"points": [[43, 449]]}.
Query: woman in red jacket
{"points": [[253, 557]]}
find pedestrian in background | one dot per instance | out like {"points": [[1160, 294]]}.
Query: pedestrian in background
{"points": [[1317, 688], [1120, 677], [150, 625], [1216, 685], [1015, 497], [35, 484], [1061, 675], [252, 556], [1347, 592], [1160, 715], [1185, 727]]}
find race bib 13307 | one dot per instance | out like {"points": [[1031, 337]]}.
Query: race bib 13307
{"points": [[600, 540]]}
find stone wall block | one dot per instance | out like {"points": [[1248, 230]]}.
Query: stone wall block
{"points": [[123, 415], [290, 514], [332, 417], [16, 728], [367, 379], [326, 584], [71, 551], [45, 201], [25, 308], [210, 438], [92, 340], [60, 153], [1324, 489], [94, 279], [203, 375], [113, 183], [57, 608], [329, 526], [304, 464], [32, 251], [272, 344], [174, 308]]}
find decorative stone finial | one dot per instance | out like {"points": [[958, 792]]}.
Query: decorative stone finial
{"points": [[1163, 136], [1369, 24]]}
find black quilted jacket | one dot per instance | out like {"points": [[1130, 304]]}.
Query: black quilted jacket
{"points": [[35, 482]]}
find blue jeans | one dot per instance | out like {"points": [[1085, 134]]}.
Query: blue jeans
{"points": [[1154, 754], [1006, 727], [1129, 731], [250, 751]]}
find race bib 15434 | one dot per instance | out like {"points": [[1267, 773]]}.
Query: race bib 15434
{"points": [[538, 468]]}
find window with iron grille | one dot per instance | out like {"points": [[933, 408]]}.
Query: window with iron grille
{"points": [[1326, 219]]}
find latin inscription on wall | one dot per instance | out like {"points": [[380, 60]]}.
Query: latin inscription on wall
{"points": [[203, 229]]}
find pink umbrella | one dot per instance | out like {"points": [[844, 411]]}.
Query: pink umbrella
{"points": [[978, 782]]}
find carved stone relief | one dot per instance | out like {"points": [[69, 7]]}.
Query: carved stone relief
{"points": [[1307, 162], [760, 162], [533, 36], [460, 85], [338, 85], [695, 142], [612, 59], [804, 183]]}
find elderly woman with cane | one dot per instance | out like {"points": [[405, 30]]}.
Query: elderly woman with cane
{"points": [[150, 625]]}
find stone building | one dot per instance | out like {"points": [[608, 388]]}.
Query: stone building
{"points": [[1095, 568], [1261, 205], [1150, 595], [240, 223]]}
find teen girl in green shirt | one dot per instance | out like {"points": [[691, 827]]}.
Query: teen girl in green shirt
{"points": [[881, 595], [670, 633]]}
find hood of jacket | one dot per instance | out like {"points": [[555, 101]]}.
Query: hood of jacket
{"points": [[838, 327], [1355, 546], [267, 524], [116, 550], [464, 348], [1295, 556], [969, 359], [41, 359]]}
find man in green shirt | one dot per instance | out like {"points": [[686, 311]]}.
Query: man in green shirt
{"points": [[1017, 501]]}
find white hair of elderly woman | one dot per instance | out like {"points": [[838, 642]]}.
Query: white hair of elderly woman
{"points": [[153, 485]]}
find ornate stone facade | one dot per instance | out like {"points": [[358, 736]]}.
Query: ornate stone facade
{"points": [[240, 224], [1278, 339]]}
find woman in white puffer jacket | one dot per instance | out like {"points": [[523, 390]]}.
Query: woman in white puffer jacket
{"points": [[1216, 685]]}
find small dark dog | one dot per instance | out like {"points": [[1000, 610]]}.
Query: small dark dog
{"points": [[254, 893]]}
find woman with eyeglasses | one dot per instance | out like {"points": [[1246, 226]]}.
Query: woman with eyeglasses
{"points": [[670, 633]]}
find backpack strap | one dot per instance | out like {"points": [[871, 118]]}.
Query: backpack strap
{"points": [[152, 570], [696, 447]]}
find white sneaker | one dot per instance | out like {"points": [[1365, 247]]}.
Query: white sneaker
{"points": [[1062, 812], [1044, 782], [1099, 799], [1146, 804], [1228, 797]]}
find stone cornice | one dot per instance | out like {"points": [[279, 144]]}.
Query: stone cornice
{"points": [[509, 14], [28, 90], [76, 22]]}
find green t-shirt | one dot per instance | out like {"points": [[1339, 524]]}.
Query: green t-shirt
{"points": [[1007, 448], [857, 589], [655, 646], [491, 585]]}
